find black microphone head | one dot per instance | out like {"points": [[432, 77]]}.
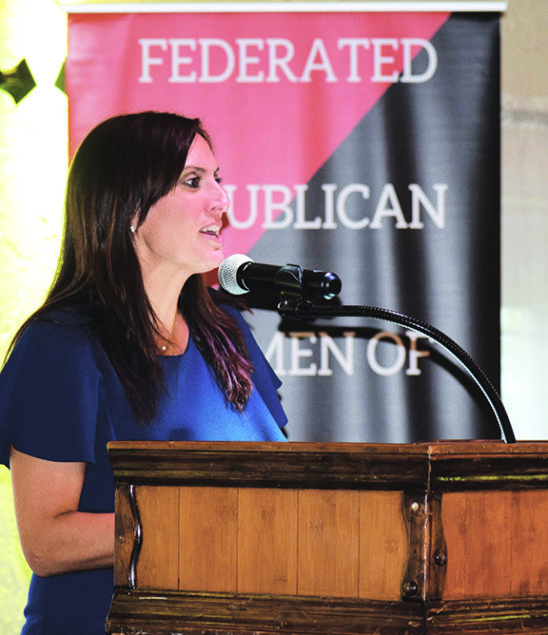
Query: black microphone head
{"points": [[228, 270]]}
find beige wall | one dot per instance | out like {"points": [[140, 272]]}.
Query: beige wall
{"points": [[525, 216]]}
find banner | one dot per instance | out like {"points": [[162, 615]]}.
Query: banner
{"points": [[363, 143]]}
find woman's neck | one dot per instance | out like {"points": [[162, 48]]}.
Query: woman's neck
{"points": [[173, 336], [172, 328]]}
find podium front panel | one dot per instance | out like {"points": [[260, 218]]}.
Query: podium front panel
{"points": [[330, 538]]}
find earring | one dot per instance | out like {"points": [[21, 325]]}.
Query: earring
{"points": [[132, 229]]}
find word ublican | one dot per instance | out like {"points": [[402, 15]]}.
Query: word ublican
{"points": [[353, 206]]}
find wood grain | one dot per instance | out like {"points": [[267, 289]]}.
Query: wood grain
{"points": [[267, 541], [208, 539], [158, 565], [329, 526]]}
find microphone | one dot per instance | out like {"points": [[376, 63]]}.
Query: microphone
{"points": [[239, 274]]}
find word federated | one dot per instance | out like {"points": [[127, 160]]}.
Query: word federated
{"points": [[272, 60]]}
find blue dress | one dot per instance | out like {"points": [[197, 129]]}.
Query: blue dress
{"points": [[61, 400]]}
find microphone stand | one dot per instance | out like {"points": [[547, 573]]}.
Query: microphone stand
{"points": [[302, 309]]}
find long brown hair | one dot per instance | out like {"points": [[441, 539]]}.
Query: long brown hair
{"points": [[123, 167]]}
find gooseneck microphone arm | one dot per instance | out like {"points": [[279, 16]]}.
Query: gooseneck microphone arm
{"points": [[297, 288], [303, 309]]}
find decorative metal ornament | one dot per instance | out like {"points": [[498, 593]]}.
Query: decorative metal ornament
{"points": [[18, 81], [60, 81]]}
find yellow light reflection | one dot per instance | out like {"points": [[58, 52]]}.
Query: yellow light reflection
{"points": [[33, 163]]}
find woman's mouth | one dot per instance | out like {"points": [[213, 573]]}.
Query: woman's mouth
{"points": [[211, 230]]}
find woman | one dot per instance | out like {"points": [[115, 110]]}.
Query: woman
{"points": [[129, 344]]}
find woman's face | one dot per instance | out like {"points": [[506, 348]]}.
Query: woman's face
{"points": [[182, 231]]}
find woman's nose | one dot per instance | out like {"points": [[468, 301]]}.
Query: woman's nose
{"points": [[222, 200]]}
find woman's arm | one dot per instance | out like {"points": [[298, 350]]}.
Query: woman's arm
{"points": [[55, 536]]}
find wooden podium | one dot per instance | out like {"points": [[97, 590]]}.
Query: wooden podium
{"points": [[332, 539]]}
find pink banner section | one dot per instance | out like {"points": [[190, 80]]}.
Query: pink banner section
{"points": [[279, 92]]}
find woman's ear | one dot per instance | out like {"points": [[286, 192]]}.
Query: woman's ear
{"points": [[134, 223]]}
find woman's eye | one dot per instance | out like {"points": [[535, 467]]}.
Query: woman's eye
{"points": [[193, 182]]}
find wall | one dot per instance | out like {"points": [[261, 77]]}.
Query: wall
{"points": [[525, 216]]}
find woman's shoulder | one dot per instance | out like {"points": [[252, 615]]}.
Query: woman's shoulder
{"points": [[49, 389], [61, 332], [82, 315]]}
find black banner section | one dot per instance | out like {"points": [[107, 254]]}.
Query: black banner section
{"points": [[407, 213]]}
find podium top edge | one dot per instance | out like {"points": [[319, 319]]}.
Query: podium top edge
{"points": [[443, 466], [428, 448]]}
